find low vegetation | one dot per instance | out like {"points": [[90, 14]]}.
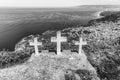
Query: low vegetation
{"points": [[103, 49], [8, 59]]}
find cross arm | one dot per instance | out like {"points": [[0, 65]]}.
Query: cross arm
{"points": [[53, 39], [64, 39]]}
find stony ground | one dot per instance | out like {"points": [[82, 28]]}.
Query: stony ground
{"points": [[51, 67]]}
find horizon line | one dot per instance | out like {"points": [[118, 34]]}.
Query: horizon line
{"points": [[59, 7]]}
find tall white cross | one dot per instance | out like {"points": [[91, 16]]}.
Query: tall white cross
{"points": [[80, 43], [36, 44], [58, 39]]}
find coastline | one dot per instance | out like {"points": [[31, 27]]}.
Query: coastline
{"points": [[98, 14]]}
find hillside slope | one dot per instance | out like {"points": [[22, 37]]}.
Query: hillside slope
{"points": [[50, 67]]}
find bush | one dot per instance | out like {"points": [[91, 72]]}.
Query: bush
{"points": [[8, 59]]}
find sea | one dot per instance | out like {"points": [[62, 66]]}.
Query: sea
{"points": [[17, 23]]}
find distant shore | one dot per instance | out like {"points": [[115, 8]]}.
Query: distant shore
{"points": [[106, 12]]}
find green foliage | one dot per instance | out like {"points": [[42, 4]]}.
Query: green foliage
{"points": [[84, 74], [78, 74], [8, 59]]}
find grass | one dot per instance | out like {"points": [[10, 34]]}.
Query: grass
{"points": [[46, 67]]}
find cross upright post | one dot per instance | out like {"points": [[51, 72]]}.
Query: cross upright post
{"points": [[58, 40], [36, 44], [80, 43]]}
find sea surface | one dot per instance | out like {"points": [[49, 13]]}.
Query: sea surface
{"points": [[16, 23]]}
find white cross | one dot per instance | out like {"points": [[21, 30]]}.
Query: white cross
{"points": [[80, 43], [36, 44], [58, 39]]}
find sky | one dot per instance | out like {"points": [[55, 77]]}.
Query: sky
{"points": [[55, 3]]}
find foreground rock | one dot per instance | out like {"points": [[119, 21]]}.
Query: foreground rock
{"points": [[50, 67]]}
